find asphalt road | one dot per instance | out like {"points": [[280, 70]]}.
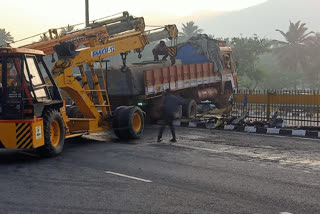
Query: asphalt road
{"points": [[204, 172]]}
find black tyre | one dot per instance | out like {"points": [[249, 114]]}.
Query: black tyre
{"points": [[128, 122], [116, 122], [74, 112], [69, 101], [189, 109], [54, 133]]}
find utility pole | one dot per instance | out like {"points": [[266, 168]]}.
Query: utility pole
{"points": [[87, 12]]}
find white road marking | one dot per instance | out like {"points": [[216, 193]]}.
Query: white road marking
{"points": [[271, 136], [127, 176], [285, 213]]}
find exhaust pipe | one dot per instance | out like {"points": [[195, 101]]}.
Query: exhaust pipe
{"points": [[87, 12]]}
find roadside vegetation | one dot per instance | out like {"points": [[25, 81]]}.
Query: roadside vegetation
{"points": [[292, 63]]}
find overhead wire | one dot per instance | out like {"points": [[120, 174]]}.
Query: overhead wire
{"points": [[61, 28]]}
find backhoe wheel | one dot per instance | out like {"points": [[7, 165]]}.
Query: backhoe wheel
{"points": [[128, 122], [54, 133], [189, 109]]}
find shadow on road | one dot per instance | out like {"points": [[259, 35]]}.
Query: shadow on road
{"points": [[83, 141], [16, 156], [129, 142], [19, 156]]}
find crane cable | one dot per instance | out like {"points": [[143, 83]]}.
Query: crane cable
{"points": [[61, 28]]}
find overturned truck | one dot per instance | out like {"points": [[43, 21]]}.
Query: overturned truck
{"points": [[203, 70]]}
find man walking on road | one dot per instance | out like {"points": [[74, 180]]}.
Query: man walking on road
{"points": [[170, 106]]}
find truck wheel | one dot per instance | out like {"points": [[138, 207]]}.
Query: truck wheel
{"points": [[128, 122], [116, 120], [54, 133], [189, 109]]}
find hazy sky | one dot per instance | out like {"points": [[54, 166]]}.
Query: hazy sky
{"points": [[28, 17]]}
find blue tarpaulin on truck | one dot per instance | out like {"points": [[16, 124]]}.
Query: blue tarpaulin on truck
{"points": [[188, 54]]}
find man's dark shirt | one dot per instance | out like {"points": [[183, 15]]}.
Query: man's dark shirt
{"points": [[161, 48], [171, 104]]}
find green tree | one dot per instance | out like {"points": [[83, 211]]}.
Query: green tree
{"points": [[296, 35], [5, 37], [312, 68], [292, 53], [189, 30], [247, 52]]}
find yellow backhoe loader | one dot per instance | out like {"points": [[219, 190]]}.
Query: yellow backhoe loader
{"points": [[32, 110]]}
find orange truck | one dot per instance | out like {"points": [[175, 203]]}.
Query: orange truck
{"points": [[194, 77]]}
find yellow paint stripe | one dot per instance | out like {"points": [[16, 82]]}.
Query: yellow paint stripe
{"points": [[23, 128], [19, 125], [27, 144], [31, 144], [172, 51], [22, 133], [22, 141]]}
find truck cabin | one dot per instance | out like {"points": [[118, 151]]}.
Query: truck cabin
{"points": [[26, 85], [226, 57]]}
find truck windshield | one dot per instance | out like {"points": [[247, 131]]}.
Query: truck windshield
{"points": [[226, 57]]}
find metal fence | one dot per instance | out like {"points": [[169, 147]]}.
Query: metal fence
{"points": [[296, 108]]}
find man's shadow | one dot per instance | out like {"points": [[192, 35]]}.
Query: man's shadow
{"points": [[27, 156]]}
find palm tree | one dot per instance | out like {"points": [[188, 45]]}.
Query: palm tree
{"points": [[292, 52], [297, 34], [189, 30], [5, 37]]}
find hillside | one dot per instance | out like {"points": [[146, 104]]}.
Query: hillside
{"points": [[263, 19]]}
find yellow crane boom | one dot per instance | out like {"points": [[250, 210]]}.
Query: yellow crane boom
{"points": [[101, 30], [62, 71]]}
